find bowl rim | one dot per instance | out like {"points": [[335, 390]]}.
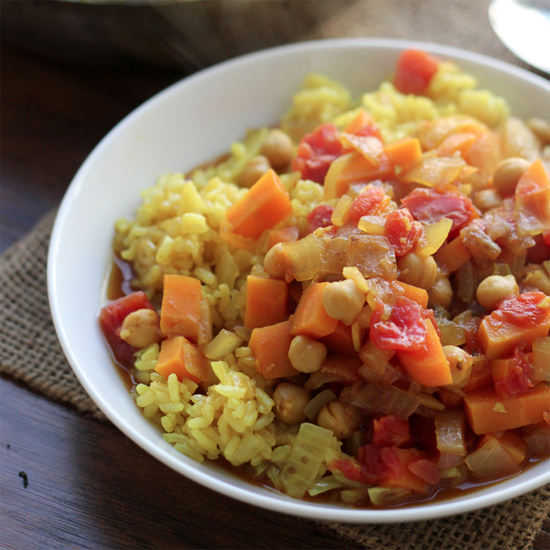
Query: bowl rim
{"points": [[416, 512]]}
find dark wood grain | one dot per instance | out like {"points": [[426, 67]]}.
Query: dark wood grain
{"points": [[89, 486]]}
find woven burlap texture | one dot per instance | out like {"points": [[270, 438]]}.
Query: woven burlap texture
{"points": [[30, 352], [29, 349]]}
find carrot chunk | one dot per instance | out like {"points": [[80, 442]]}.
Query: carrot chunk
{"points": [[518, 320], [179, 356], [457, 141], [269, 346], [429, 366], [532, 197], [180, 312], [363, 124], [264, 205], [414, 293], [404, 153], [487, 412], [310, 318], [353, 168], [266, 301], [340, 341], [283, 235], [451, 256]]}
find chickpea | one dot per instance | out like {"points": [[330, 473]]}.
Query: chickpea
{"points": [[541, 128], [507, 174], [461, 363], [290, 401], [417, 270], [518, 140], [278, 148], [342, 300], [275, 261], [341, 418], [441, 292], [306, 354], [253, 170], [141, 328], [495, 288]]}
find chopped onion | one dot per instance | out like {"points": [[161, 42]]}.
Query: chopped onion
{"points": [[315, 404], [449, 433], [435, 234], [341, 210], [490, 460], [373, 255], [434, 170], [370, 147], [327, 483], [455, 475], [386, 495], [464, 278], [430, 402], [372, 225], [538, 440], [381, 399], [448, 461], [541, 360], [451, 333]]}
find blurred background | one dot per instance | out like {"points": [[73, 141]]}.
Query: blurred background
{"points": [[71, 69]]}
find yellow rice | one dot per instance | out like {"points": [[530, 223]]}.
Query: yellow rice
{"points": [[176, 230]]}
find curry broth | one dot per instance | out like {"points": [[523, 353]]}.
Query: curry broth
{"points": [[120, 284]]}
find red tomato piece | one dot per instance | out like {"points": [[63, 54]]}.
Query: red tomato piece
{"points": [[546, 237], [366, 203], [402, 231], [523, 310], [316, 152], [111, 318], [350, 468], [430, 205], [320, 216], [426, 470], [515, 377], [414, 72], [404, 330], [390, 430]]}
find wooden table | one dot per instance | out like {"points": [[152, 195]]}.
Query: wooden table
{"points": [[88, 485]]}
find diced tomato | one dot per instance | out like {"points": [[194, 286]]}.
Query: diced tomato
{"points": [[390, 430], [414, 72], [426, 470], [404, 330], [546, 237], [320, 216], [430, 205], [316, 152], [523, 310], [402, 231], [368, 202], [111, 318], [350, 468], [512, 376]]}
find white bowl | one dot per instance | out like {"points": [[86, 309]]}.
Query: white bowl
{"points": [[189, 123]]}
